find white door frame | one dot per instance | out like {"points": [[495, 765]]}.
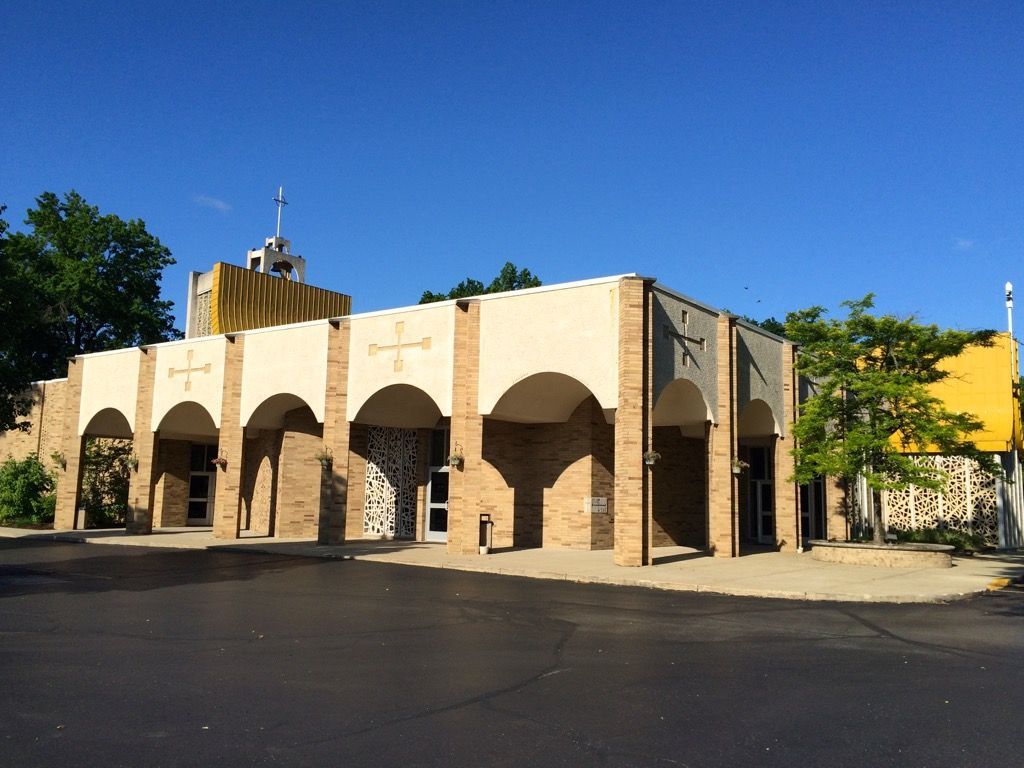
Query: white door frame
{"points": [[429, 535]]}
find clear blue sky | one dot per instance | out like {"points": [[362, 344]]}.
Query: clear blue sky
{"points": [[760, 157]]}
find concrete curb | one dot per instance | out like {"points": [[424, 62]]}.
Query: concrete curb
{"points": [[624, 581]]}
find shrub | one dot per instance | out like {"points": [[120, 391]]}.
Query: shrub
{"points": [[106, 472], [964, 542], [26, 492]]}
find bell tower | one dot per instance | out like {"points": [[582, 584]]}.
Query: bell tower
{"points": [[276, 257]]}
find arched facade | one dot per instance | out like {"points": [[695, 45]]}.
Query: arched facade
{"points": [[605, 414]]}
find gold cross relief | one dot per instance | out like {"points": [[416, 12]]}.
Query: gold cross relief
{"points": [[398, 346], [188, 370], [670, 333]]}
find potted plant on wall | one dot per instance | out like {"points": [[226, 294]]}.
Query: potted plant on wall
{"points": [[326, 457], [456, 459], [738, 465], [220, 462]]}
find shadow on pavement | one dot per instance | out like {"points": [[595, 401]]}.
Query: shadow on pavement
{"points": [[74, 568]]}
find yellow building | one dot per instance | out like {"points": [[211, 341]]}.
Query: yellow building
{"points": [[229, 299], [983, 382]]}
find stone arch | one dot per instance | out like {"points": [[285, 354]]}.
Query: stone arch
{"points": [[399, 405], [542, 398], [757, 420], [682, 404], [270, 414], [547, 446], [188, 420], [109, 422], [679, 481]]}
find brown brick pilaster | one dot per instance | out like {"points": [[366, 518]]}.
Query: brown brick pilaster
{"points": [[143, 478], [334, 480], [787, 510], [230, 444], [467, 431], [633, 426], [723, 513], [69, 479]]}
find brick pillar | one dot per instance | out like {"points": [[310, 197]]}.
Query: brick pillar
{"points": [[467, 431], [723, 513], [633, 500], [787, 507], [334, 479], [69, 479], [143, 477], [837, 509], [227, 500]]}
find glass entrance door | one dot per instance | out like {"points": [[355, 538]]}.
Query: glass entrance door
{"points": [[761, 496], [437, 505], [202, 485], [436, 527], [812, 510]]}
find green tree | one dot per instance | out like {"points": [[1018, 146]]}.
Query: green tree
{"points": [[18, 315], [76, 282], [871, 404], [508, 279]]}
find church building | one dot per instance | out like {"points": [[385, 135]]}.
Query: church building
{"points": [[612, 413]]}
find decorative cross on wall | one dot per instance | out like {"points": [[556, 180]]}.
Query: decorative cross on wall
{"points": [[188, 370], [670, 333], [424, 343]]}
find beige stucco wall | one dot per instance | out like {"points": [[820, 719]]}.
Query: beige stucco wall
{"points": [[571, 329], [109, 380], [289, 360], [372, 368], [206, 388]]}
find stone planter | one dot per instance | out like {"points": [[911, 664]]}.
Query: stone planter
{"points": [[907, 555]]}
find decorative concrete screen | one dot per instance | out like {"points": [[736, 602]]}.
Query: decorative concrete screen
{"points": [[390, 506], [968, 504]]}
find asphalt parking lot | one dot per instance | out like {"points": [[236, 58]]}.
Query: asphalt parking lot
{"points": [[133, 656]]}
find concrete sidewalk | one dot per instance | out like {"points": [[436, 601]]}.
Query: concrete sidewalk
{"points": [[766, 574]]}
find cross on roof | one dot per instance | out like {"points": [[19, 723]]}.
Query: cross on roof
{"points": [[671, 333], [281, 203]]}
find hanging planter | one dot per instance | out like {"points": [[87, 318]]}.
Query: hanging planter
{"points": [[456, 459], [325, 457], [133, 463], [651, 458], [220, 462], [738, 465], [58, 458]]}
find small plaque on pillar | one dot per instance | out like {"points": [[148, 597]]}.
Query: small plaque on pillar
{"points": [[595, 505]]}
